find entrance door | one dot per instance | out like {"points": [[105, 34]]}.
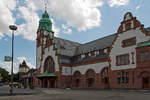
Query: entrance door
{"points": [[45, 83], [145, 82], [90, 82], [77, 82], [52, 83], [106, 82]]}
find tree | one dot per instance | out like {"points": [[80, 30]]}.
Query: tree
{"points": [[16, 77], [4, 74]]}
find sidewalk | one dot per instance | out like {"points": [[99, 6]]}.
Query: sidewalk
{"points": [[4, 91]]}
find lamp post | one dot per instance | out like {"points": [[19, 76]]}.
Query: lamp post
{"points": [[13, 28]]}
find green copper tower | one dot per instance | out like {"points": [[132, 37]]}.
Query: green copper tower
{"points": [[45, 23]]}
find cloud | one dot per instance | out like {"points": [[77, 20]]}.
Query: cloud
{"points": [[81, 14], [137, 7], [6, 39], [7, 65], [20, 59], [55, 29], [27, 10], [66, 29], [1, 35], [113, 3], [6, 17], [29, 28]]}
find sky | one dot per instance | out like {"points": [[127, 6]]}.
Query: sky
{"points": [[76, 20]]}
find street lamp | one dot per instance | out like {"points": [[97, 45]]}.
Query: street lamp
{"points": [[13, 28]]}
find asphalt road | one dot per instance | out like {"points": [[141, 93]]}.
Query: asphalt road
{"points": [[67, 94]]}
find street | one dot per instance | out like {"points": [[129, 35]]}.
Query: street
{"points": [[68, 94]]}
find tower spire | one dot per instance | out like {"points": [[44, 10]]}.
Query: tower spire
{"points": [[45, 23], [45, 5]]}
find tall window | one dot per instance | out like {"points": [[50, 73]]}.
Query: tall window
{"points": [[77, 78], [104, 75], [90, 78], [129, 42], [123, 77], [122, 60], [143, 56], [132, 57], [49, 65]]}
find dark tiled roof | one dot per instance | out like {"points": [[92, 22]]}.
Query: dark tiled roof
{"points": [[69, 49], [96, 44], [147, 29], [66, 47], [23, 65]]}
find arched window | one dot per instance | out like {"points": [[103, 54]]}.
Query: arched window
{"points": [[77, 78], [104, 75], [49, 66], [90, 78]]}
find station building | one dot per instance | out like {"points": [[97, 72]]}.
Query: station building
{"points": [[120, 60]]}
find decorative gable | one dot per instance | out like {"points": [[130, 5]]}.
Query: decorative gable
{"points": [[129, 22]]}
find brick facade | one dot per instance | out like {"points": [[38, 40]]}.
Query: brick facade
{"points": [[103, 72]]}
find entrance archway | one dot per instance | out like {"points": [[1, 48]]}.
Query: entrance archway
{"points": [[145, 79], [90, 78], [104, 77], [48, 78], [145, 82], [77, 79]]}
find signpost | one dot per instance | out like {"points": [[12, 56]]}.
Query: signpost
{"points": [[7, 58]]}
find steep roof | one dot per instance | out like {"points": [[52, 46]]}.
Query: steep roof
{"points": [[147, 29], [98, 44], [70, 48], [23, 65], [66, 47]]}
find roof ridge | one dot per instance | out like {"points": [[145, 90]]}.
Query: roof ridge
{"points": [[98, 39], [67, 40]]}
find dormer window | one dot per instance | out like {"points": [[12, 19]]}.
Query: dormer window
{"points": [[105, 50], [92, 54], [129, 42], [96, 53], [62, 47], [101, 51]]}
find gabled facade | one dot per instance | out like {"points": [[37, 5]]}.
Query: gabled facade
{"points": [[108, 62], [23, 69]]}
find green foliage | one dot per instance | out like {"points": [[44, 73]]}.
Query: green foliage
{"points": [[4, 74], [16, 77]]}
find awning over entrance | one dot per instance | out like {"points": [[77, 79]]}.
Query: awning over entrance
{"points": [[146, 43], [46, 75]]}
